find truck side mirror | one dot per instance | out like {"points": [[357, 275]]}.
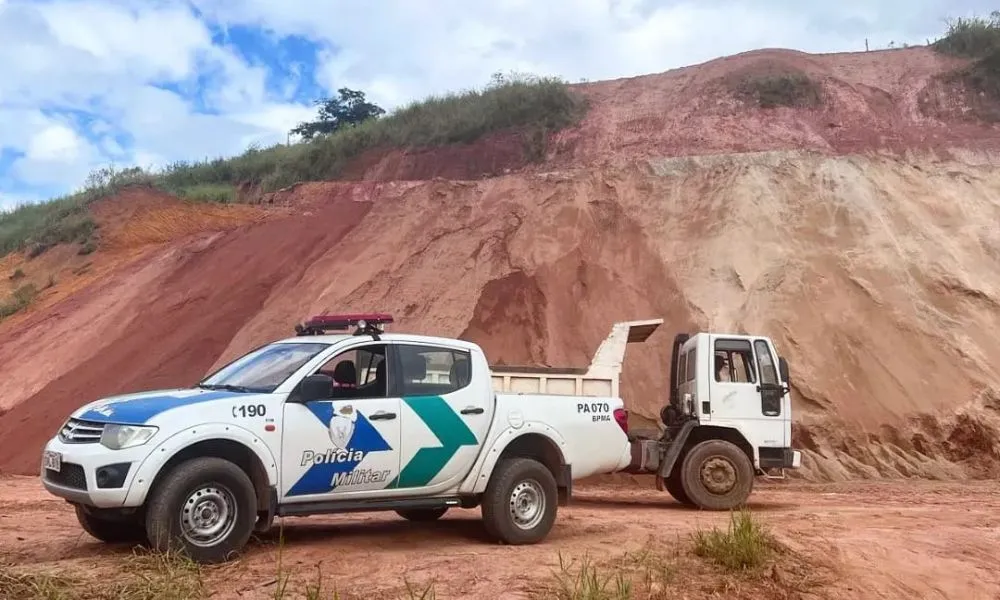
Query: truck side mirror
{"points": [[783, 369], [315, 387]]}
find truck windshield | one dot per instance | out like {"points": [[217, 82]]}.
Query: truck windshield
{"points": [[264, 369]]}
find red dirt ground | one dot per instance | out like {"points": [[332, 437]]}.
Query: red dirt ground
{"points": [[885, 541]]}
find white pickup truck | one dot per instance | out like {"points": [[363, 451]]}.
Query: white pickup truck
{"points": [[322, 423]]}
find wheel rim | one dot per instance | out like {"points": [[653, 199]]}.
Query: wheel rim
{"points": [[208, 515], [527, 504], [718, 475]]}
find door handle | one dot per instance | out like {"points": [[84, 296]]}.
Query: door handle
{"points": [[470, 410], [382, 416]]}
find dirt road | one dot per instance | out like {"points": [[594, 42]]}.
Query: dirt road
{"points": [[870, 540]]}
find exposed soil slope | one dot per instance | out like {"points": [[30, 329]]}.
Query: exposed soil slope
{"points": [[877, 275], [889, 100]]}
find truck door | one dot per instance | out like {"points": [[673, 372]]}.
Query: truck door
{"points": [[775, 403], [447, 409], [735, 392], [347, 446]]}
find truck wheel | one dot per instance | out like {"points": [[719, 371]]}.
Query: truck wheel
{"points": [[111, 531], [519, 505], [422, 514], [717, 475], [675, 485], [206, 507]]}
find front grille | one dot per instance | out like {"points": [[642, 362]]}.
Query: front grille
{"points": [[69, 475], [76, 431]]}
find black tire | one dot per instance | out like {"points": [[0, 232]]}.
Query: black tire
{"points": [[214, 478], [519, 476], [675, 486], [422, 514], [112, 531], [735, 471]]}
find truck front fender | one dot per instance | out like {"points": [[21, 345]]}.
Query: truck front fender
{"points": [[225, 434], [479, 476]]}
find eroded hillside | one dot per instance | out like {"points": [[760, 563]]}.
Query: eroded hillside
{"points": [[876, 272]]}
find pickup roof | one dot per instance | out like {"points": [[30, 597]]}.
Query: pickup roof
{"points": [[320, 423]]}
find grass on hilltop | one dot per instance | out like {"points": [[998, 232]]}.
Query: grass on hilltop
{"points": [[975, 38], [520, 102], [532, 105]]}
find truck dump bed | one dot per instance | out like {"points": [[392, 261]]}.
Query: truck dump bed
{"points": [[600, 379]]}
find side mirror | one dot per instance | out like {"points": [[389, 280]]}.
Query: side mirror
{"points": [[315, 387], [783, 369]]}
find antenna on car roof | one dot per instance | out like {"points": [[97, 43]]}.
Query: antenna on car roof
{"points": [[372, 324]]}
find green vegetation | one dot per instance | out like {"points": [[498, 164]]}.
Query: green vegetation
{"points": [[976, 38], [973, 37], [745, 545], [143, 576], [345, 129], [792, 89], [525, 103], [18, 301]]}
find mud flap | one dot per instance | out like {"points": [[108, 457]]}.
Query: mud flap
{"points": [[673, 452]]}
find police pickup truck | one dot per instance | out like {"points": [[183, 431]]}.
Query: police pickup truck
{"points": [[342, 422]]}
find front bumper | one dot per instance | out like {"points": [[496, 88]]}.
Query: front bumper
{"points": [[78, 478]]}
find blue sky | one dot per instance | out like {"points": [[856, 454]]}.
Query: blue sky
{"points": [[88, 83]]}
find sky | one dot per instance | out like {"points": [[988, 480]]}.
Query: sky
{"points": [[92, 83]]}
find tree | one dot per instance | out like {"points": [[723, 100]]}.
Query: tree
{"points": [[350, 108]]}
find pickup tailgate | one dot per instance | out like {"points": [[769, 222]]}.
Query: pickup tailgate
{"points": [[591, 439]]}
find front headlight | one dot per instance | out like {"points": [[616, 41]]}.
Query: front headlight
{"points": [[118, 437]]}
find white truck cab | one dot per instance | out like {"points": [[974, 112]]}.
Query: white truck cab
{"points": [[320, 423], [728, 419]]}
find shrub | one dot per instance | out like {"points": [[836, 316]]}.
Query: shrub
{"points": [[18, 301], [745, 545], [538, 105], [973, 37], [793, 89]]}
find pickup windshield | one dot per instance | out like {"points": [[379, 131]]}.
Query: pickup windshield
{"points": [[264, 369]]}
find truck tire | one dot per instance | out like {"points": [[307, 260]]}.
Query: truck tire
{"points": [[675, 486], [112, 531], [422, 514], [717, 475], [519, 504], [212, 497]]}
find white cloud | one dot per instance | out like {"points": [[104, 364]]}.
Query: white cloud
{"points": [[399, 50], [87, 82]]}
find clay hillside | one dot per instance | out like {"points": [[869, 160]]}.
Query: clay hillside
{"points": [[846, 205]]}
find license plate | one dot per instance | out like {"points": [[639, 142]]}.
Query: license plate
{"points": [[52, 460]]}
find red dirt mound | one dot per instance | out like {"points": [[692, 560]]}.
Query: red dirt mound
{"points": [[183, 305], [875, 273]]}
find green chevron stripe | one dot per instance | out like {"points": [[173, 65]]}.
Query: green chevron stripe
{"points": [[450, 430]]}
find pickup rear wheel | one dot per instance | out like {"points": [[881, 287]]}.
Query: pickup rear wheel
{"points": [[717, 475], [205, 507], [519, 504]]}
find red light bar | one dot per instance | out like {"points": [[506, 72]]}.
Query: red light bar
{"points": [[327, 322]]}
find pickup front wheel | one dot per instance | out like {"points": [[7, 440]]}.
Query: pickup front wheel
{"points": [[205, 507], [519, 505]]}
